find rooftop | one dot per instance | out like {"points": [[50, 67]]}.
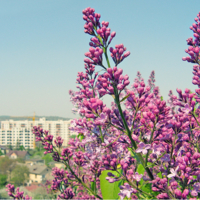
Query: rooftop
{"points": [[39, 169], [18, 153]]}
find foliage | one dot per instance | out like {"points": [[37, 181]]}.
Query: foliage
{"points": [[109, 190], [20, 175], [38, 147], [31, 152], [1, 153], [41, 193], [3, 180], [47, 158], [20, 160], [73, 136], [37, 152], [4, 195], [22, 148], [17, 144], [10, 147], [6, 165]]}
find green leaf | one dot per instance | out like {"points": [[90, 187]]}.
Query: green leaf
{"points": [[141, 181], [140, 169], [146, 187], [149, 164], [134, 155], [93, 185], [109, 190], [81, 136], [125, 97], [61, 186], [155, 193], [159, 175], [74, 188], [161, 98], [194, 177]]}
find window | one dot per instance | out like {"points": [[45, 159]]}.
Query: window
{"points": [[35, 175], [22, 125]]}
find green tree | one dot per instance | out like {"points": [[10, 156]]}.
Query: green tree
{"points": [[20, 160], [31, 151], [17, 144], [1, 153], [10, 147], [4, 195], [3, 180], [21, 148], [38, 153], [47, 158], [39, 146], [20, 175], [6, 165], [41, 193], [73, 136]]}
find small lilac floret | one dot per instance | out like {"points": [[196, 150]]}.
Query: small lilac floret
{"points": [[173, 172], [126, 191], [143, 148], [137, 177]]}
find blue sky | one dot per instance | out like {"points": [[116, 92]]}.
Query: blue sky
{"points": [[42, 46]]}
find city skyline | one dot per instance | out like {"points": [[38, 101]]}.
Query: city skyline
{"points": [[13, 132], [43, 43]]}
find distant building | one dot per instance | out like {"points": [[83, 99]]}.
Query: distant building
{"points": [[18, 154], [34, 161], [37, 173], [59, 165], [20, 132]]}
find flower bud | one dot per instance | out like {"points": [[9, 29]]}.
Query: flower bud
{"points": [[179, 91], [115, 69], [177, 193], [109, 70], [113, 34], [185, 193]]}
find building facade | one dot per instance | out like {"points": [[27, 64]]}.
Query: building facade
{"points": [[37, 173], [20, 132]]}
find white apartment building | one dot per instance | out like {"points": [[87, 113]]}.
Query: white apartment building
{"points": [[13, 132]]}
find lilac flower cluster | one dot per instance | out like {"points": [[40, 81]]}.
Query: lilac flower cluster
{"points": [[95, 55], [113, 77], [97, 29], [118, 54], [44, 137], [149, 149], [17, 194], [194, 49]]}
